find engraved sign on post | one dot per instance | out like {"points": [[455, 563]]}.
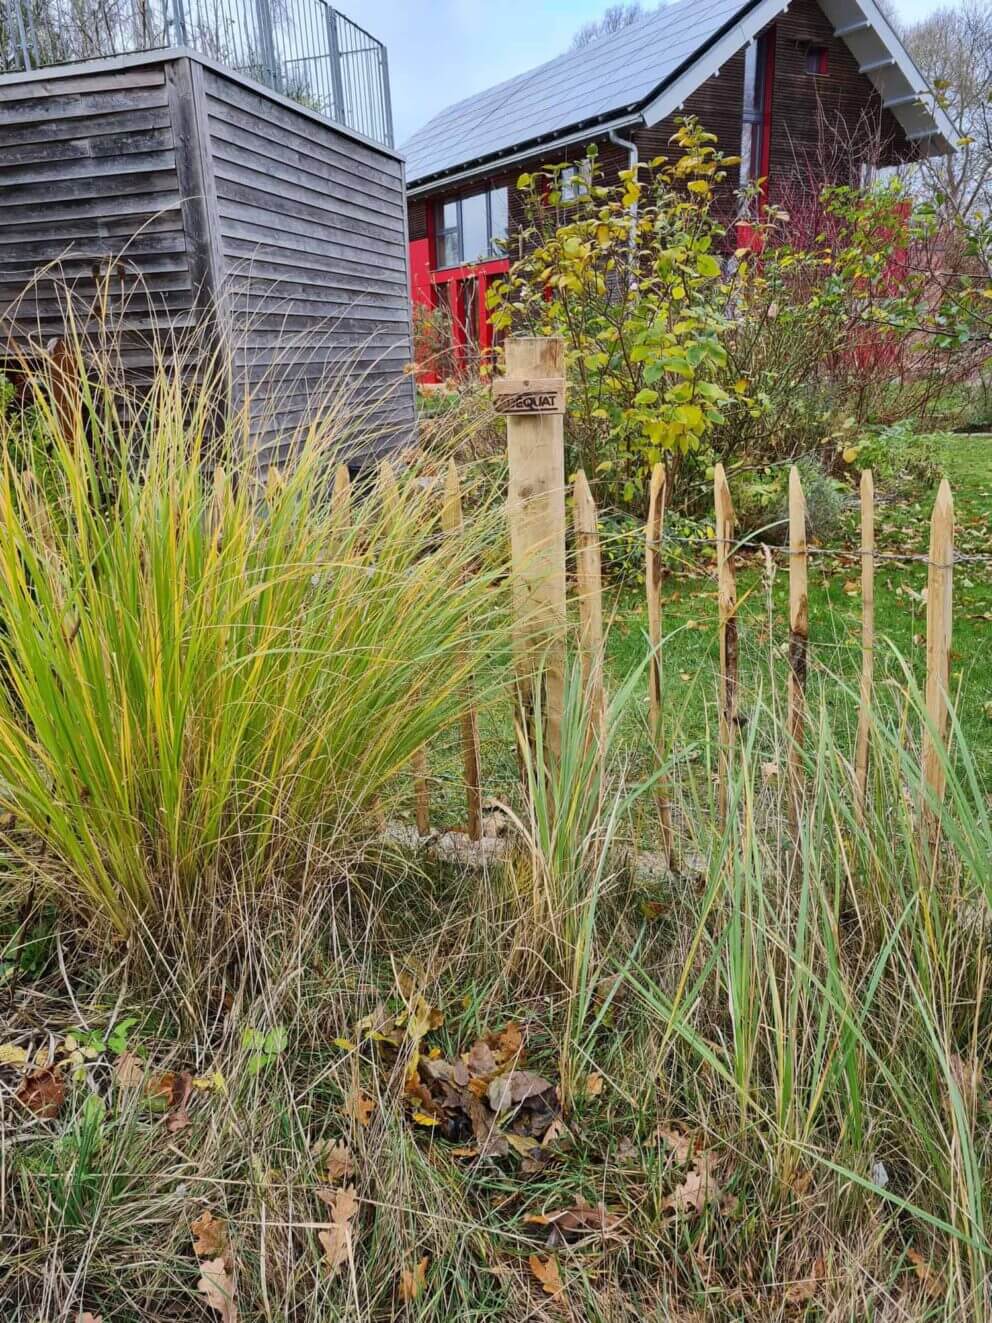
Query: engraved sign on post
{"points": [[529, 395]]}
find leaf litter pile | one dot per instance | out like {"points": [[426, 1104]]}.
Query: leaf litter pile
{"points": [[483, 1101]]}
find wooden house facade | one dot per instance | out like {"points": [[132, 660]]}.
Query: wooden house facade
{"points": [[225, 210], [806, 93]]}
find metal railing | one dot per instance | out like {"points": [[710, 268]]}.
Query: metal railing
{"points": [[304, 49]]}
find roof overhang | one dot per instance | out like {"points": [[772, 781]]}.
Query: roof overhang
{"points": [[881, 57], [585, 133]]}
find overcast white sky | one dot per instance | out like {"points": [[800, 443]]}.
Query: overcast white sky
{"points": [[443, 50]]}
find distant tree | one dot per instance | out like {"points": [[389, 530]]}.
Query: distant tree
{"points": [[953, 47], [614, 19]]}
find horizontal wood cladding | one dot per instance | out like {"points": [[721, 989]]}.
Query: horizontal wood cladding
{"points": [[313, 238], [210, 199], [88, 178]]}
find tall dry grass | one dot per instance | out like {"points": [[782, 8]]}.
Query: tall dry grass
{"points": [[211, 675]]}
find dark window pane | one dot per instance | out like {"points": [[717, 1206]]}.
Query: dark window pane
{"points": [[499, 213]]}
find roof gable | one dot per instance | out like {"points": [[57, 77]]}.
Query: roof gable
{"points": [[646, 71]]}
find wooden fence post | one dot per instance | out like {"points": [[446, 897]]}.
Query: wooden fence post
{"points": [[654, 576], [451, 524], [532, 395], [589, 588], [798, 638], [940, 593], [341, 496], [727, 600], [861, 750], [389, 495]]}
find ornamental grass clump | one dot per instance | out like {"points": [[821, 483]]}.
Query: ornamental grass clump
{"points": [[209, 676]]}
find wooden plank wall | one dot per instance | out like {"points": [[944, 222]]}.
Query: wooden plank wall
{"points": [[313, 235], [87, 174]]}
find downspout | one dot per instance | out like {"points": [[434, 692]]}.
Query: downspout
{"points": [[632, 163]]}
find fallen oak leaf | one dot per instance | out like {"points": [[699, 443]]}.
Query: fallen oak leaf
{"points": [[697, 1190], [210, 1238], [413, 1282], [336, 1237], [678, 1141], [546, 1272], [42, 1093], [128, 1071], [803, 1291], [217, 1285], [360, 1108], [337, 1160], [928, 1277]]}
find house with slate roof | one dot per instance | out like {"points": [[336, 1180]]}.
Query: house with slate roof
{"points": [[805, 92]]}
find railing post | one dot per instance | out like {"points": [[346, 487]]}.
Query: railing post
{"points": [[23, 37], [266, 41], [387, 98], [334, 55], [180, 32]]}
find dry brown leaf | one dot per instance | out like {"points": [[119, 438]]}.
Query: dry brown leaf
{"points": [[42, 1093], [803, 1291], [554, 1132], [128, 1071], [336, 1238], [209, 1235], [481, 1060], [579, 1219], [337, 1161], [360, 1108], [546, 1272], [412, 1283], [217, 1285], [594, 1085], [697, 1190], [928, 1277], [510, 1042], [678, 1141]]}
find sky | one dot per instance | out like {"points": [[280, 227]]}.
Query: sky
{"points": [[443, 50]]}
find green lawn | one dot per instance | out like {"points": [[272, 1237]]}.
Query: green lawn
{"points": [[691, 650]]}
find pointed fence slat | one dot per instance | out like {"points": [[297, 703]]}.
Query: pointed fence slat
{"points": [[451, 524], [940, 602], [727, 605], [589, 588], [798, 638], [389, 495], [654, 577], [861, 748]]}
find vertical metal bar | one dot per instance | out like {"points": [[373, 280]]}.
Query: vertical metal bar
{"points": [[23, 37], [266, 41], [387, 100], [179, 31], [334, 53]]}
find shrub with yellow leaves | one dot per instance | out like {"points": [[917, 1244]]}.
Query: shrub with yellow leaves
{"points": [[630, 276]]}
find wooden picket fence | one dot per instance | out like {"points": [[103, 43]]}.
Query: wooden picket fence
{"points": [[532, 395]]}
